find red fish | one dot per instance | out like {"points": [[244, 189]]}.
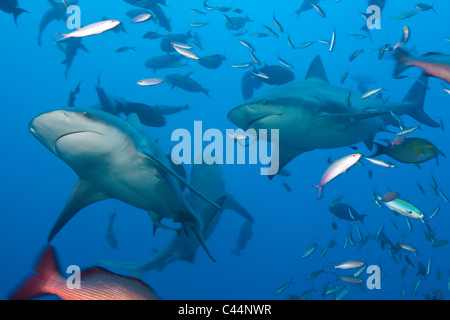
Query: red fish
{"points": [[95, 284]]}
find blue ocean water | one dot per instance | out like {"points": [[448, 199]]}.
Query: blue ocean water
{"points": [[36, 184]]}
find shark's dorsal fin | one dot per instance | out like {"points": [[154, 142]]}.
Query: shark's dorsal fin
{"points": [[82, 195], [133, 119], [316, 71]]}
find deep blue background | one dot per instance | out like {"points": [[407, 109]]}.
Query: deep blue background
{"points": [[36, 184]]}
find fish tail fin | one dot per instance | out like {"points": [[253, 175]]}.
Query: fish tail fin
{"points": [[129, 269], [320, 190], [40, 283], [17, 12], [403, 58], [62, 34], [416, 98], [206, 92], [380, 149]]}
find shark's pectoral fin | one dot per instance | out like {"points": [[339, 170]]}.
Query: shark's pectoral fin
{"points": [[285, 156], [82, 195], [169, 170], [232, 204]]}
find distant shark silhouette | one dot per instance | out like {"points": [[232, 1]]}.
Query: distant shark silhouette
{"points": [[312, 114], [114, 159], [209, 180], [12, 6], [57, 12]]}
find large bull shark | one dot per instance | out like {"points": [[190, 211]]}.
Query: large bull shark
{"points": [[209, 180], [312, 114], [114, 158]]}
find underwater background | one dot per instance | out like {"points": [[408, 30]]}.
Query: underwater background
{"points": [[36, 184]]}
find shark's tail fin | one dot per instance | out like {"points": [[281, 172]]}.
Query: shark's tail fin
{"points": [[17, 12], [416, 98], [403, 58], [124, 268]]}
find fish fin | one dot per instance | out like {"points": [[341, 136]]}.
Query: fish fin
{"points": [[369, 144], [316, 71], [133, 119], [232, 204], [40, 283], [17, 12], [169, 170], [416, 98], [380, 150], [285, 156], [82, 47], [206, 92], [125, 268], [402, 56], [82, 195]]}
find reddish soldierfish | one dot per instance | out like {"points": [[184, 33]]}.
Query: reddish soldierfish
{"points": [[96, 284]]}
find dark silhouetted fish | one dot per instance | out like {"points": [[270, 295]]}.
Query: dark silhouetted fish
{"points": [[411, 150], [186, 83], [236, 23], [212, 62], [110, 234], [153, 6], [306, 5], [167, 110], [148, 115], [73, 94], [165, 61], [273, 75], [343, 211], [72, 45], [244, 237], [166, 42], [12, 7]]}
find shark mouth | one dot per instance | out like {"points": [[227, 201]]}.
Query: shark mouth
{"points": [[70, 133], [261, 118]]}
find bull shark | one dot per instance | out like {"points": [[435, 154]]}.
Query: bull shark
{"points": [[114, 159], [312, 114], [209, 180]]}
